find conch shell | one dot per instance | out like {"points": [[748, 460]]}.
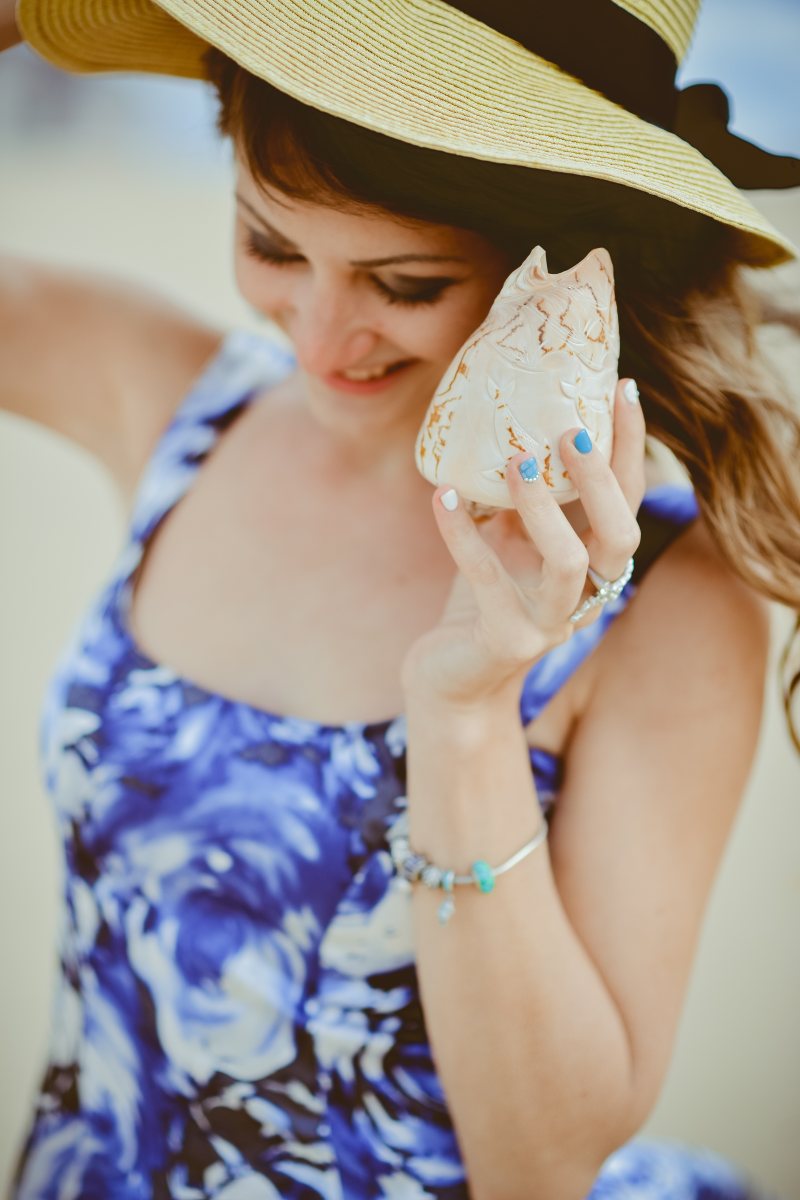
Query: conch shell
{"points": [[543, 361]]}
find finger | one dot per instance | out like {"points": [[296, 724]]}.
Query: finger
{"points": [[628, 456], [564, 556], [613, 534], [477, 561]]}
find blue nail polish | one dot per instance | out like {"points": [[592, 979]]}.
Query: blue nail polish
{"points": [[582, 442], [529, 469]]}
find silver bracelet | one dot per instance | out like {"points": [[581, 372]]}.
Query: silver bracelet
{"points": [[416, 868]]}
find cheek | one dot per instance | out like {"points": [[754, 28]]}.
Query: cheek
{"points": [[259, 288], [461, 321]]}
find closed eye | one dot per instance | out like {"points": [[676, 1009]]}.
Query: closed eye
{"points": [[264, 253], [428, 292]]}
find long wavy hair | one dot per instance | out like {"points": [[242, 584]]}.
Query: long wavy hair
{"points": [[688, 316]]}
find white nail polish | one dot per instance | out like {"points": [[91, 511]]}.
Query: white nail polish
{"points": [[449, 499], [631, 392]]}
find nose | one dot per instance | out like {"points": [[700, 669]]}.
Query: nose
{"points": [[328, 327]]}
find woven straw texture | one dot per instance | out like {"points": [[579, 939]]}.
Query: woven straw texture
{"points": [[420, 71]]}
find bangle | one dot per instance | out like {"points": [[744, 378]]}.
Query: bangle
{"points": [[416, 868]]}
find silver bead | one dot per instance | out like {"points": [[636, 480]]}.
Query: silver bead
{"points": [[399, 854], [413, 866], [431, 876]]}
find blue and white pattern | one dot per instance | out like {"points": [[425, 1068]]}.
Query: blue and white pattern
{"points": [[238, 1014]]}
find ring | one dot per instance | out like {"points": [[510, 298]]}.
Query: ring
{"points": [[607, 589]]}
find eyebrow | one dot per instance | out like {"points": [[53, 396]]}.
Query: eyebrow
{"points": [[359, 262]]}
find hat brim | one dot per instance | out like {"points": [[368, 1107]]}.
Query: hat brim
{"points": [[422, 72]]}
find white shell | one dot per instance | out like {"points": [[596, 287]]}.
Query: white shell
{"points": [[543, 361]]}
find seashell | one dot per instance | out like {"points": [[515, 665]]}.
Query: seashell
{"points": [[543, 361]]}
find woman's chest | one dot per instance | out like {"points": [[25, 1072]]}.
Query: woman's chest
{"points": [[285, 595], [293, 596]]}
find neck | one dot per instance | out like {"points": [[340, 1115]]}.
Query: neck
{"points": [[376, 453]]}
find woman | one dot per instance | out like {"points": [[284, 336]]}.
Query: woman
{"points": [[258, 996]]}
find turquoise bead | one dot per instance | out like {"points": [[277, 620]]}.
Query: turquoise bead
{"points": [[483, 875]]}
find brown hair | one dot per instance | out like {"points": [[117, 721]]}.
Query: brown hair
{"points": [[688, 318]]}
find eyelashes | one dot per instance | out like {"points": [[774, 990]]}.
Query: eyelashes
{"points": [[429, 294]]}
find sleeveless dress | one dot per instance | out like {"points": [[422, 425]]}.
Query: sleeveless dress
{"points": [[237, 1014]]}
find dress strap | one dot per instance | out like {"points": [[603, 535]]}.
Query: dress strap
{"points": [[243, 365], [663, 515]]}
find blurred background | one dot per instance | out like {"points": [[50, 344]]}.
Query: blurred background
{"points": [[126, 175]]}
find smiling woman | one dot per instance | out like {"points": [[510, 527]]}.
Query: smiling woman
{"points": [[362, 297], [387, 846]]}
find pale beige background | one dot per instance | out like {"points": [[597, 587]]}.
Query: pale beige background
{"points": [[735, 1080]]}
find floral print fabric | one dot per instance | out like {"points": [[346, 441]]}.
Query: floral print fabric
{"points": [[238, 1014]]}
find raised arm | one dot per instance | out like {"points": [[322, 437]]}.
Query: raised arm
{"points": [[552, 1004], [99, 360]]}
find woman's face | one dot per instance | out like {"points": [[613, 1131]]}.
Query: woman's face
{"points": [[357, 292]]}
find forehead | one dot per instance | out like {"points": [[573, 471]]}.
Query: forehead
{"points": [[368, 227]]}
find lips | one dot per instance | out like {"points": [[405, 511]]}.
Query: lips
{"points": [[384, 368], [341, 383]]}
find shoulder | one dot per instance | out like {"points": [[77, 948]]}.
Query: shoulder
{"points": [[693, 618], [674, 691], [692, 630], [682, 669], [161, 351]]}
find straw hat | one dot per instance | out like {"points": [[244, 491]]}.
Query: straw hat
{"points": [[477, 78]]}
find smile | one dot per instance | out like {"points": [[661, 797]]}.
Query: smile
{"points": [[368, 379], [361, 373]]}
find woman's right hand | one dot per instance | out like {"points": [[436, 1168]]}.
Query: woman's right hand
{"points": [[522, 576]]}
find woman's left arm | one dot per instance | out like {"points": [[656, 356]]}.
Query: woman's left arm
{"points": [[552, 1003]]}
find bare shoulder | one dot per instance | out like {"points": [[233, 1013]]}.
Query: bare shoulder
{"points": [[654, 774], [153, 383], [100, 360], [693, 614], [682, 673], [692, 625]]}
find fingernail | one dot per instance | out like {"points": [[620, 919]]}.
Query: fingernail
{"points": [[631, 392], [582, 442], [449, 499], [529, 469]]}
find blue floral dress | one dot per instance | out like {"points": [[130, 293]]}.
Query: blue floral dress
{"points": [[238, 1014]]}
